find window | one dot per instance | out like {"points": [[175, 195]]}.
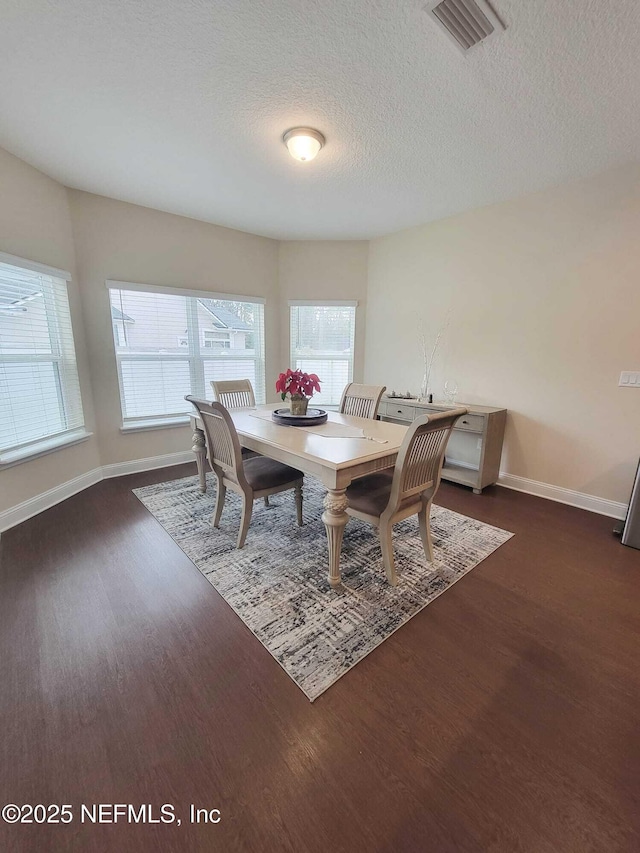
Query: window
{"points": [[174, 342], [214, 340], [118, 333], [40, 403], [322, 341]]}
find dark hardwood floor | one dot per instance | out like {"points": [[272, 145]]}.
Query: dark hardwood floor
{"points": [[503, 717]]}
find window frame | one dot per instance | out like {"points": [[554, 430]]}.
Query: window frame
{"points": [[27, 450], [196, 354]]}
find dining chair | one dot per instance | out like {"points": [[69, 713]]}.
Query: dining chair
{"points": [[361, 400], [389, 496], [234, 393], [252, 478]]}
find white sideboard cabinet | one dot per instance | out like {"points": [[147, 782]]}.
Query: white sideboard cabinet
{"points": [[475, 446]]}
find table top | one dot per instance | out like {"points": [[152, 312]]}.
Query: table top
{"points": [[319, 451]]}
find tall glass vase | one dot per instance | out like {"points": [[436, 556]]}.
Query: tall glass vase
{"points": [[425, 394], [424, 388]]}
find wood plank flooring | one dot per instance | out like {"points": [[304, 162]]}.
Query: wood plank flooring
{"points": [[504, 717]]}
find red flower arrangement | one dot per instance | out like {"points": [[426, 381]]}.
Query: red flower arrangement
{"points": [[297, 384]]}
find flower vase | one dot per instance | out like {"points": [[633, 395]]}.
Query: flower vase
{"points": [[425, 394], [299, 405]]}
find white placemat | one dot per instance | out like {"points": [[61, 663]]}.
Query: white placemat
{"points": [[265, 416]]}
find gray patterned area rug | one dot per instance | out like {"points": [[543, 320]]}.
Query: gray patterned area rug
{"points": [[277, 584]]}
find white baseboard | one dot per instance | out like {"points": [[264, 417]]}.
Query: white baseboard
{"points": [[602, 506], [134, 466], [27, 509]]}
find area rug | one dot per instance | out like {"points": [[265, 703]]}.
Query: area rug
{"points": [[277, 584]]}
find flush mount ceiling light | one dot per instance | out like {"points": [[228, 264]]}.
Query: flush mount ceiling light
{"points": [[303, 143]]}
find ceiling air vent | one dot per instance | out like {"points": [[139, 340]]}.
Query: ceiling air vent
{"points": [[466, 22]]}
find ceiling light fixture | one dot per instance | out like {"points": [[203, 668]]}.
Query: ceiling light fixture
{"points": [[303, 143]]}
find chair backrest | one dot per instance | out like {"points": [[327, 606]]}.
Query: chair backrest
{"points": [[420, 457], [223, 446], [361, 400], [234, 393]]}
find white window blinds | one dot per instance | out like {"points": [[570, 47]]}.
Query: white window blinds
{"points": [[39, 388], [322, 341], [169, 344]]}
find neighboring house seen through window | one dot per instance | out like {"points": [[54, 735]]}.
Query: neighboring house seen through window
{"points": [[170, 343], [40, 402], [322, 342], [215, 340]]}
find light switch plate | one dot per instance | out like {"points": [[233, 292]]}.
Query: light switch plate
{"points": [[630, 379]]}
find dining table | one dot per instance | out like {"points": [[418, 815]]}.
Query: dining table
{"points": [[337, 452]]}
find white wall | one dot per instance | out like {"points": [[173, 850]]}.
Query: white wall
{"points": [[35, 224], [99, 239], [324, 269], [544, 295], [126, 242]]}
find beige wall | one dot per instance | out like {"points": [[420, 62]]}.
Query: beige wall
{"points": [[544, 294], [115, 240], [326, 269], [98, 239], [35, 224]]}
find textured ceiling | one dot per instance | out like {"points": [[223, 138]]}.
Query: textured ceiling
{"points": [[180, 105]]}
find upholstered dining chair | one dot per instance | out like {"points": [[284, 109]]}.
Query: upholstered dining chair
{"points": [[253, 478], [361, 400], [394, 494], [236, 394]]}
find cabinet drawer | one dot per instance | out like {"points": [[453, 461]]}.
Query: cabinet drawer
{"points": [[472, 423], [397, 410]]}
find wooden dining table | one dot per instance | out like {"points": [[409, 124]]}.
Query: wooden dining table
{"points": [[336, 453]]}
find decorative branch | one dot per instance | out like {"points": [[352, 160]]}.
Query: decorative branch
{"points": [[429, 356]]}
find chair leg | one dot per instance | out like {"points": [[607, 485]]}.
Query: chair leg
{"points": [[266, 500], [298, 488], [386, 542], [424, 517], [221, 493], [247, 509]]}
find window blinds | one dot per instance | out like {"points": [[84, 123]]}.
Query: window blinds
{"points": [[169, 344], [322, 341], [39, 387]]}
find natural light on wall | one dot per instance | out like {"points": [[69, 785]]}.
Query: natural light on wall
{"points": [[40, 402], [171, 342], [322, 342]]}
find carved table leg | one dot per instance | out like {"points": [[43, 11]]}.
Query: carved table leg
{"points": [[200, 450], [335, 519]]}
